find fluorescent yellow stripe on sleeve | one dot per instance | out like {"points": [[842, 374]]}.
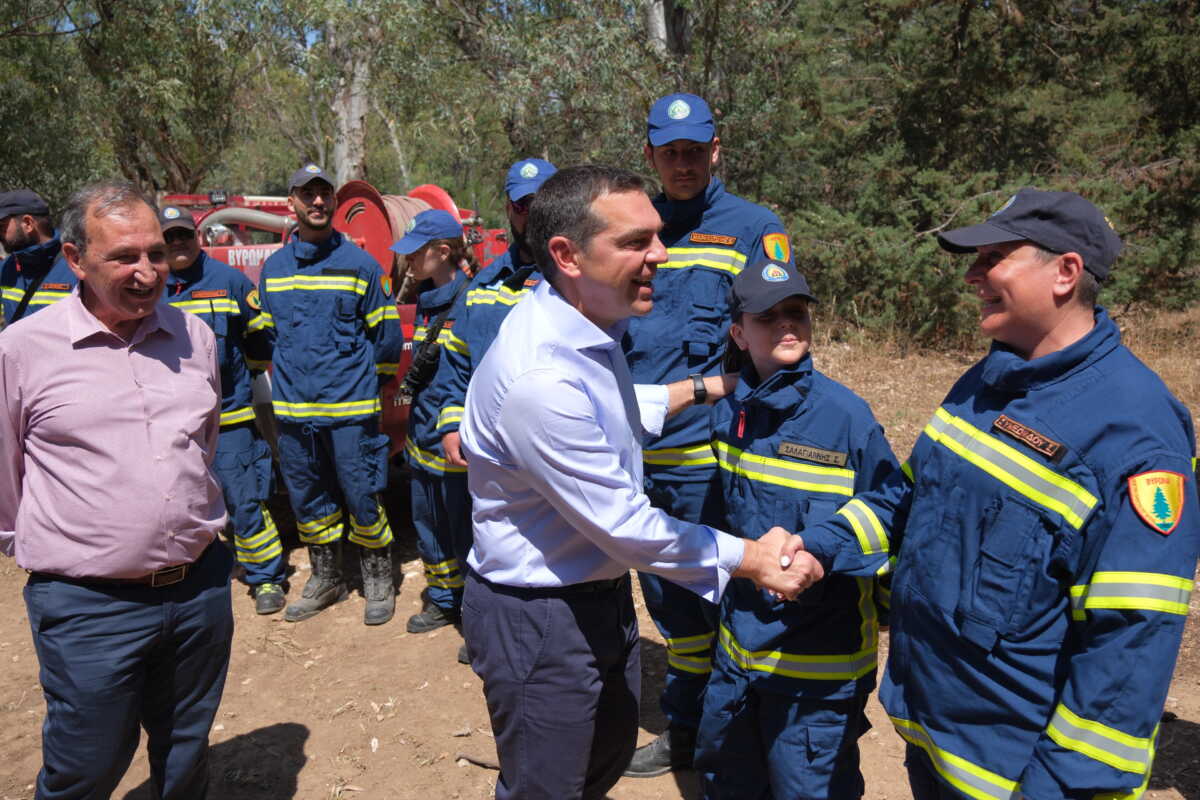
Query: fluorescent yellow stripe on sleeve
{"points": [[263, 320], [383, 312], [452, 342], [238, 415], [1097, 741], [450, 415], [1132, 591], [869, 531]]}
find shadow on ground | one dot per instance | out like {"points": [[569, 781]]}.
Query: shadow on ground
{"points": [[262, 763], [654, 672], [1177, 760]]}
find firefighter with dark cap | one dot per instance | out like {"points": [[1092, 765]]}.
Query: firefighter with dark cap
{"points": [[228, 302], [710, 235], [34, 274], [477, 316], [328, 310], [1043, 533]]}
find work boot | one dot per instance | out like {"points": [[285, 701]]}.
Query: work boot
{"points": [[324, 587], [464, 655], [269, 598], [432, 618], [672, 750], [379, 587]]}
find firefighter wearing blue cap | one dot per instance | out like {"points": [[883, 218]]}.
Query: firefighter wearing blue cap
{"points": [[336, 335], [438, 259], [34, 274], [1043, 533], [710, 235], [227, 300]]}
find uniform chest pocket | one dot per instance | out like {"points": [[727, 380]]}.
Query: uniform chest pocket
{"points": [[345, 322], [703, 333], [219, 324], [1011, 563]]}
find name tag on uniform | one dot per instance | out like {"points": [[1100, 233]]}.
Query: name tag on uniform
{"points": [[1028, 436], [713, 238], [57, 287], [833, 458], [209, 294]]}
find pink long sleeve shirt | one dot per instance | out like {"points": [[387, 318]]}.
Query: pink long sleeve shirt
{"points": [[105, 445]]}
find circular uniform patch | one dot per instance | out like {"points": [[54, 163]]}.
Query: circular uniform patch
{"points": [[679, 110], [412, 223], [312, 169], [529, 171], [171, 212], [252, 300], [774, 273]]}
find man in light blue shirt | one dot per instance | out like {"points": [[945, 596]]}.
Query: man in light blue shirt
{"points": [[553, 433]]}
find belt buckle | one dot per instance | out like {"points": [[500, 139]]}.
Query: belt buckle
{"points": [[168, 576]]}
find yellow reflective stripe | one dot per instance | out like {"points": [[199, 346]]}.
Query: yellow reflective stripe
{"points": [[456, 582], [1132, 591], [452, 342], [721, 258], [444, 336], [970, 779], [312, 526], [238, 415], [387, 368], [1012, 468], [377, 534], [887, 567], [245, 557], [325, 536], [11, 293], [907, 469], [691, 456], [501, 294], [691, 644], [868, 629], [373, 318], [450, 414], [42, 297], [809, 477], [267, 534], [697, 665], [834, 667], [257, 366], [872, 537], [1097, 741], [430, 460], [313, 283], [349, 409], [442, 567], [223, 305], [263, 320]]}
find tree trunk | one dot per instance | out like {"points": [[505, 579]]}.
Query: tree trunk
{"points": [[349, 109]]}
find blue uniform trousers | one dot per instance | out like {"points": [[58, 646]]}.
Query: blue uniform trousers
{"points": [[114, 657], [441, 514], [243, 467], [760, 745], [326, 467], [686, 621], [561, 673]]}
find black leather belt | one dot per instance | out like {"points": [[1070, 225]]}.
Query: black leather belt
{"points": [[570, 590], [166, 576]]}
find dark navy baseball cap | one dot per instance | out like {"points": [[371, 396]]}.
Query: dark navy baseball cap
{"points": [[307, 174], [425, 227], [680, 116], [175, 217], [1061, 222], [765, 283], [527, 176], [22, 201]]}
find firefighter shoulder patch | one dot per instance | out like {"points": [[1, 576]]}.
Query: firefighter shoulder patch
{"points": [[776, 246], [1157, 497], [385, 282], [252, 300]]}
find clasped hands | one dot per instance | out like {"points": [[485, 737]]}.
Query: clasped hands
{"points": [[779, 563]]}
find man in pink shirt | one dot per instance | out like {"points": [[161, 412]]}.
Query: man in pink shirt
{"points": [[109, 414]]}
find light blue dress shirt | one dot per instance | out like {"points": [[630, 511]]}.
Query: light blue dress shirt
{"points": [[553, 434]]}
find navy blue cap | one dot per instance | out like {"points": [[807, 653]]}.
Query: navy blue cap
{"points": [[1061, 222], [425, 227], [307, 174], [765, 283], [22, 201], [175, 217], [680, 116], [527, 176]]}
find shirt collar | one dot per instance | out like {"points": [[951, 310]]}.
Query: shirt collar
{"points": [[189, 274], [314, 251], [83, 325], [574, 329], [39, 256], [786, 389], [435, 296], [679, 210], [1005, 370]]}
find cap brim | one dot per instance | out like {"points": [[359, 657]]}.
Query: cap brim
{"points": [[762, 304], [701, 132], [971, 238], [408, 244], [522, 191], [320, 178], [171, 224]]}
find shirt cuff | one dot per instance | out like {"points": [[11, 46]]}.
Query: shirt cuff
{"points": [[730, 552], [652, 400]]}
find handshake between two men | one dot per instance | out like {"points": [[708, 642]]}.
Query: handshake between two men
{"points": [[779, 563]]}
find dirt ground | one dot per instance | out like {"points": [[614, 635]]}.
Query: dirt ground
{"points": [[329, 708]]}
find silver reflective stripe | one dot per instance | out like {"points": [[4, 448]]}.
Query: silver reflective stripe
{"points": [[1116, 749], [785, 473], [971, 779], [1165, 594], [871, 537], [716, 257], [1074, 506], [812, 667]]}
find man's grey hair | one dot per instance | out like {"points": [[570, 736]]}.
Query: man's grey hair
{"points": [[97, 199], [563, 207], [1087, 288]]}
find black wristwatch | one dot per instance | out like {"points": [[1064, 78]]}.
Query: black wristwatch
{"points": [[699, 391]]}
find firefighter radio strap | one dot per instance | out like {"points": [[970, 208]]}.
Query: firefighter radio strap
{"points": [[425, 359], [30, 291]]}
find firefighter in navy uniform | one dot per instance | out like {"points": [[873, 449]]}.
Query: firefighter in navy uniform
{"points": [[1044, 533], [34, 274], [228, 302], [336, 340], [710, 235]]}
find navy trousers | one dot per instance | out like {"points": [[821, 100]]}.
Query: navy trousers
{"points": [[561, 674], [243, 466], [441, 515], [686, 621], [116, 657]]}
